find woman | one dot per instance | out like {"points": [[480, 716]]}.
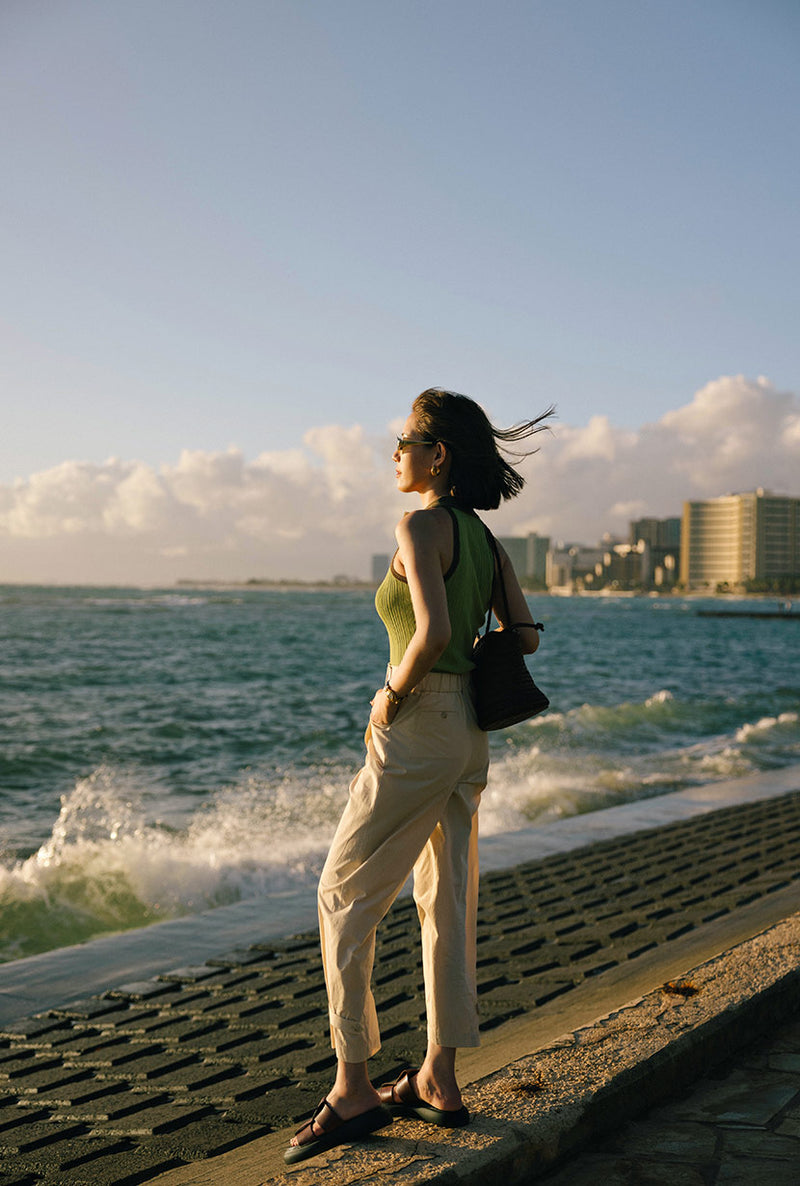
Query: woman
{"points": [[414, 804]]}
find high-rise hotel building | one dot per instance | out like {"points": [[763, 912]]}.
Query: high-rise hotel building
{"points": [[739, 537]]}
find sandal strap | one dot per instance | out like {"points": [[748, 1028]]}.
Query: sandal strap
{"points": [[402, 1091], [321, 1126]]}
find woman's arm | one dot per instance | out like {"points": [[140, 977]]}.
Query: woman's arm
{"points": [[517, 605], [420, 540]]}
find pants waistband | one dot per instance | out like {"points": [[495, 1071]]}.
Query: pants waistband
{"points": [[439, 681]]}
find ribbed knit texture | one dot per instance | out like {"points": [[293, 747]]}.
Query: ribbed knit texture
{"points": [[468, 588]]}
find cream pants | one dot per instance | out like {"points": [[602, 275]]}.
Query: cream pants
{"points": [[413, 806]]}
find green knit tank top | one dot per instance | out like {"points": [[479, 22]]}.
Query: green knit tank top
{"points": [[468, 585]]}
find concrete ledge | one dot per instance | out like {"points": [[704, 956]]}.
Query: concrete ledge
{"points": [[539, 1110], [599, 1077]]}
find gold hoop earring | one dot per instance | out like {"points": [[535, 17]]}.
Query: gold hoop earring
{"points": [[435, 471]]}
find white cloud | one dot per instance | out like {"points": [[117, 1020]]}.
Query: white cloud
{"points": [[302, 512], [141, 502], [790, 437], [735, 434], [599, 439], [633, 508], [324, 508]]}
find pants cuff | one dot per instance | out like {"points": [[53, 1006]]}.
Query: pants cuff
{"points": [[353, 1042]]}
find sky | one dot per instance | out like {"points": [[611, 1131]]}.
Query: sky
{"points": [[237, 239]]}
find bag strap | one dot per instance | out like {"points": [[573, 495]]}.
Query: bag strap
{"points": [[498, 569], [456, 541], [499, 572]]}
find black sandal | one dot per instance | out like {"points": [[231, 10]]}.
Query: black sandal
{"points": [[402, 1100], [335, 1131]]}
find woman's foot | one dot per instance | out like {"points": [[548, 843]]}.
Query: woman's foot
{"points": [[328, 1128], [346, 1107], [405, 1098], [441, 1091]]}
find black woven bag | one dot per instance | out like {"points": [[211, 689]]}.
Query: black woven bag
{"points": [[505, 692]]}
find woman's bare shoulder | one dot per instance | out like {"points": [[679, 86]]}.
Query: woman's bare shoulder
{"points": [[431, 526]]}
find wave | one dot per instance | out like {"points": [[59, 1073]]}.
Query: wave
{"points": [[757, 731], [116, 859], [106, 867], [165, 601], [596, 756]]}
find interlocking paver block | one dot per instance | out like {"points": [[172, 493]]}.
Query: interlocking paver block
{"points": [[172, 1030], [86, 1150], [12, 1116], [131, 1020], [249, 1085], [245, 957], [89, 1009], [37, 1136], [69, 1089], [13, 1058], [111, 1106], [210, 1138], [245, 1009], [130, 1163], [33, 1028], [140, 990], [180, 1000], [26, 1069], [48, 1079], [199, 1077], [228, 979], [115, 1052], [192, 975], [229, 1044], [149, 1065], [150, 1121]]}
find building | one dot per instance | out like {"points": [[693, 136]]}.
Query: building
{"points": [[559, 568], [649, 560], [623, 567], [528, 554], [659, 541], [740, 539], [574, 566], [536, 571], [658, 533], [516, 548]]}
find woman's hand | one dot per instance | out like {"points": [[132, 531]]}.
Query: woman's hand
{"points": [[383, 709]]}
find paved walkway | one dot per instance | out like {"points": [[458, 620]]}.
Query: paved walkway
{"points": [[739, 1126], [163, 1073]]}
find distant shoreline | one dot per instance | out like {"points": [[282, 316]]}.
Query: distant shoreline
{"points": [[288, 583], [345, 585]]}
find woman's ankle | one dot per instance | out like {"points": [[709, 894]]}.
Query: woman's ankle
{"points": [[440, 1064], [352, 1090], [437, 1084]]}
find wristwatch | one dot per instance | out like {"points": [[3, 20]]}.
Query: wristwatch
{"points": [[391, 695]]}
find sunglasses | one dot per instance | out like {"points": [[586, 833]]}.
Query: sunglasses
{"points": [[404, 442]]}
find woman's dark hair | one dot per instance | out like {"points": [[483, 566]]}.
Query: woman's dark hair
{"points": [[479, 476]]}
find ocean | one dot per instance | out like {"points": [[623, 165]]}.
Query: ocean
{"points": [[165, 752]]}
